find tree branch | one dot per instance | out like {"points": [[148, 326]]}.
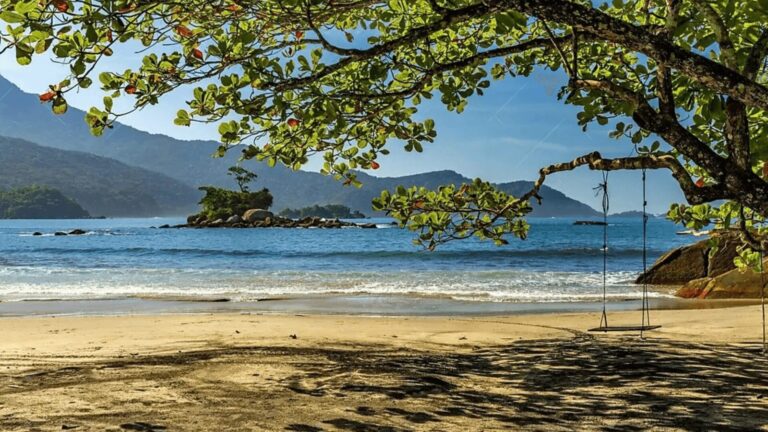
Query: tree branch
{"points": [[727, 49], [693, 193], [757, 55], [587, 19]]}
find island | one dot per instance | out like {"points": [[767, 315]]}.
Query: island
{"points": [[338, 211], [245, 209], [39, 202]]}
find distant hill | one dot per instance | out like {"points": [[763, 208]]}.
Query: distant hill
{"points": [[38, 202], [190, 162], [630, 214], [104, 187]]}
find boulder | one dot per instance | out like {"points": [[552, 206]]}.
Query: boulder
{"points": [[367, 225], [37, 234], [216, 223], [737, 283], [234, 220], [59, 234], [166, 226], [254, 215], [77, 232], [722, 261], [692, 262], [192, 219]]}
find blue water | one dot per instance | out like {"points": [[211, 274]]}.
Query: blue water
{"points": [[127, 257]]}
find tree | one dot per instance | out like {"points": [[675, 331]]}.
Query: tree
{"points": [[683, 80], [242, 176], [219, 203]]}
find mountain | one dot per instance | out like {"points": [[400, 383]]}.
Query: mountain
{"points": [[190, 162], [103, 186]]}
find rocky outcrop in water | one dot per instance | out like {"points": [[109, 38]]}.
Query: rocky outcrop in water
{"points": [[695, 261], [259, 218], [705, 274]]}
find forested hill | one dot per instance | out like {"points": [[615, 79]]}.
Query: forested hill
{"points": [[190, 162], [104, 187], [38, 202]]}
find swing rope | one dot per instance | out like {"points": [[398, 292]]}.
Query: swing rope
{"points": [[646, 312], [602, 188], [762, 297]]}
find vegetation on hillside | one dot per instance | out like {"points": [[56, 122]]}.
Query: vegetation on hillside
{"points": [[38, 202], [327, 211], [104, 187]]}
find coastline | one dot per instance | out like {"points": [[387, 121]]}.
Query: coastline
{"points": [[337, 304], [301, 372]]}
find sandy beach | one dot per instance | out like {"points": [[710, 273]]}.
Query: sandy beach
{"points": [[246, 372]]}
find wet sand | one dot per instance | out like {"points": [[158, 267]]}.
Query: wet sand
{"points": [[251, 371]]}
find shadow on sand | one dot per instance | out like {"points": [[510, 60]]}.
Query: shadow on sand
{"points": [[585, 382], [603, 384]]}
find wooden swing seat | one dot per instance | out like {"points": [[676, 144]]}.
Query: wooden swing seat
{"points": [[624, 328]]}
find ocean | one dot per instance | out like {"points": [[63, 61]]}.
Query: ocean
{"points": [[128, 258]]}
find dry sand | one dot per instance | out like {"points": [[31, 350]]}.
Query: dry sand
{"points": [[245, 372]]}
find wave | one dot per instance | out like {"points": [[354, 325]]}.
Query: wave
{"points": [[503, 286], [353, 254]]}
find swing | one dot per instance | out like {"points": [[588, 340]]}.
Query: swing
{"points": [[645, 325]]}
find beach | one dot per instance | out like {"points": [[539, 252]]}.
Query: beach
{"points": [[253, 371]]}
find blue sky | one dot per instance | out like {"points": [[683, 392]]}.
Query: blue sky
{"points": [[508, 134]]}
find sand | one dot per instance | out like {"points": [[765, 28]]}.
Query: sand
{"points": [[250, 372]]}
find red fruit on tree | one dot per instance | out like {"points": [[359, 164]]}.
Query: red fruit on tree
{"points": [[375, 165], [61, 5], [183, 31], [47, 96], [292, 122]]}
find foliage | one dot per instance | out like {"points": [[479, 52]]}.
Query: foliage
{"points": [[221, 203], [38, 202], [242, 177], [326, 211], [683, 81]]}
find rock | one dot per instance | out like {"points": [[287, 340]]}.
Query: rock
{"points": [[678, 266], [267, 222], [166, 226], [601, 223], [77, 232], [254, 215], [59, 234], [722, 261], [688, 263], [367, 225], [37, 234], [216, 223], [694, 289], [192, 219], [736, 283], [234, 220]]}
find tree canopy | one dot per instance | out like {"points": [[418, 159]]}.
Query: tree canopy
{"points": [[683, 81]]}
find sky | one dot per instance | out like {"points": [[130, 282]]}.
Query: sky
{"points": [[518, 127]]}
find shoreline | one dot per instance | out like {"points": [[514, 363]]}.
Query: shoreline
{"points": [[338, 304]]}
